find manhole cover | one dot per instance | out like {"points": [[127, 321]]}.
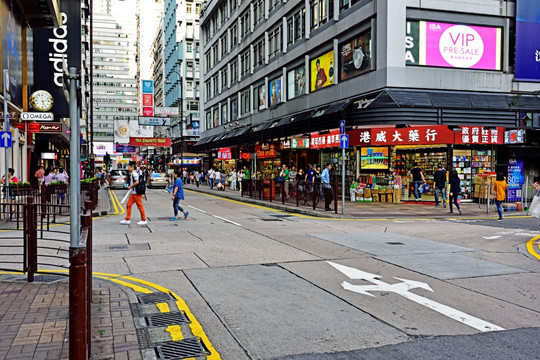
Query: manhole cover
{"points": [[180, 349], [154, 298], [118, 247], [144, 338], [395, 243], [49, 278], [166, 319]]}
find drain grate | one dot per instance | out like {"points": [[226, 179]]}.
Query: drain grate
{"points": [[154, 298], [166, 319], [144, 338], [180, 349], [395, 243]]}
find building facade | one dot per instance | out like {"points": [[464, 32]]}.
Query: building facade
{"points": [[181, 57], [275, 72], [158, 66], [115, 75]]}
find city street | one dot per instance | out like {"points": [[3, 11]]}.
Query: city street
{"points": [[265, 284]]}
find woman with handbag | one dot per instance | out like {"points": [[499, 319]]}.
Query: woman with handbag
{"points": [[455, 189]]}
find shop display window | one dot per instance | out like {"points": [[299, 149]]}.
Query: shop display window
{"points": [[470, 163]]}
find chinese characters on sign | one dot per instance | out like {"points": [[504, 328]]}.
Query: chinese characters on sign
{"points": [[319, 141], [421, 135], [480, 135], [514, 136], [224, 154]]}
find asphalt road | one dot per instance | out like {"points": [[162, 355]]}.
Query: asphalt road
{"points": [[269, 285]]}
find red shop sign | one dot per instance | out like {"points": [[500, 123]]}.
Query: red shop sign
{"points": [[417, 135], [479, 135], [245, 156], [160, 142], [265, 154], [45, 128], [224, 154], [325, 141]]}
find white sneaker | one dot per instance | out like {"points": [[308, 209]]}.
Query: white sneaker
{"points": [[125, 222], [142, 222]]}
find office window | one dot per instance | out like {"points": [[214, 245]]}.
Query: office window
{"points": [[215, 53], [215, 85], [224, 80], [259, 53], [189, 47], [234, 109], [234, 35], [258, 10], [188, 8], [223, 41], [234, 71], [189, 30], [208, 92], [244, 102], [208, 61], [299, 24], [330, 9], [314, 6], [323, 12], [290, 31], [274, 4], [245, 24], [274, 39], [197, 8], [244, 63]]}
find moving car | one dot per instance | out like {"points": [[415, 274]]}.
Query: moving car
{"points": [[118, 179], [156, 180]]}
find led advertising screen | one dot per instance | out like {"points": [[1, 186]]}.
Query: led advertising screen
{"points": [[453, 45], [374, 158], [322, 71], [527, 40], [355, 56]]}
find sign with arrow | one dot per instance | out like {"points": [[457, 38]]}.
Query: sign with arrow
{"points": [[5, 139], [344, 141], [403, 288]]}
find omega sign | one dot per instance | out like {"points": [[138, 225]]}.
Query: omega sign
{"points": [[59, 47]]}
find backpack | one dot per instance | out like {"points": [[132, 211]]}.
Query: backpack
{"points": [[140, 188]]}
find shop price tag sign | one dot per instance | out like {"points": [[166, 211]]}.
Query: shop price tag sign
{"points": [[480, 135]]}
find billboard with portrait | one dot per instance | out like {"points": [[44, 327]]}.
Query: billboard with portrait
{"points": [[274, 92], [355, 56], [12, 51], [527, 40], [322, 71], [453, 45], [261, 90], [296, 82]]}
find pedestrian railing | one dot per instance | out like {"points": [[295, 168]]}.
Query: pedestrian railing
{"points": [[291, 192]]}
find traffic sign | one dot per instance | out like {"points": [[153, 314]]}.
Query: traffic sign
{"points": [[342, 127], [5, 139], [344, 141], [37, 116]]}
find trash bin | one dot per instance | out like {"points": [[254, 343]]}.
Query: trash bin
{"points": [[269, 190]]}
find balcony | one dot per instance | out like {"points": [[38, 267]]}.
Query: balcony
{"points": [[41, 13]]}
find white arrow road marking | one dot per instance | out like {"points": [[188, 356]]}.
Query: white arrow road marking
{"points": [[402, 289], [491, 237]]}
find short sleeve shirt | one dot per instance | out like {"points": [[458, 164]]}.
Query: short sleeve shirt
{"points": [[134, 179], [416, 173]]}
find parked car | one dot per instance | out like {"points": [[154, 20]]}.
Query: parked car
{"points": [[156, 180], [118, 179]]}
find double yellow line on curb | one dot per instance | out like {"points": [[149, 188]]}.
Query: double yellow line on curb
{"points": [[118, 208]]}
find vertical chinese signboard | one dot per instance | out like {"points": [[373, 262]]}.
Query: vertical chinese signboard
{"points": [[515, 179], [147, 98]]}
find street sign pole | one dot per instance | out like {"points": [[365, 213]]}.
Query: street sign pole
{"points": [[343, 162], [75, 181], [6, 128]]}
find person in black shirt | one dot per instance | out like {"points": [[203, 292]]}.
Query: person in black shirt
{"points": [[417, 176], [440, 185]]}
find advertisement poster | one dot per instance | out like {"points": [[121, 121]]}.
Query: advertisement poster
{"points": [[124, 129], [322, 71], [355, 56], [234, 110], [515, 179], [12, 51], [527, 66], [374, 158], [296, 82], [262, 97], [224, 113], [215, 112], [453, 45], [274, 91]]}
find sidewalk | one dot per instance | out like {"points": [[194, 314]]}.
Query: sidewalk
{"points": [[359, 210], [34, 320]]}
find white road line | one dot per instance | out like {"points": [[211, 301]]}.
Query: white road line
{"points": [[194, 208], [226, 220]]}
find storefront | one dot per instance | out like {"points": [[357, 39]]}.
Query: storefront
{"points": [[385, 156], [225, 161], [328, 143]]}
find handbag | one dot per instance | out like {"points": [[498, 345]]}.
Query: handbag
{"points": [[534, 209], [424, 188]]}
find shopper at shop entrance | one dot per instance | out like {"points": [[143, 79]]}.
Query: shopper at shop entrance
{"points": [[417, 176], [440, 184], [501, 190], [327, 187]]}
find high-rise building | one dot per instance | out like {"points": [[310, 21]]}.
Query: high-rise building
{"points": [[158, 66], [181, 65], [115, 65]]}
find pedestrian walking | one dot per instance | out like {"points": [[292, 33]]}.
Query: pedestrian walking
{"points": [[327, 187], [61, 195], [318, 182], [177, 195], [40, 173], [500, 189], [232, 180], [440, 185], [284, 174], [211, 177], [197, 177], [49, 176], [240, 174], [11, 198], [417, 177], [217, 178], [134, 197], [455, 190]]}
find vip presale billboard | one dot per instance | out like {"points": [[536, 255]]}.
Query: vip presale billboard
{"points": [[528, 40], [453, 45]]}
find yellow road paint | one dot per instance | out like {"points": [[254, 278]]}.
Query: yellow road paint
{"points": [[176, 332], [118, 206], [163, 307], [116, 212], [134, 287], [530, 247]]}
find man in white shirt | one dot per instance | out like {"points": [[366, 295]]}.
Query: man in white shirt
{"points": [[134, 197], [211, 177]]}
